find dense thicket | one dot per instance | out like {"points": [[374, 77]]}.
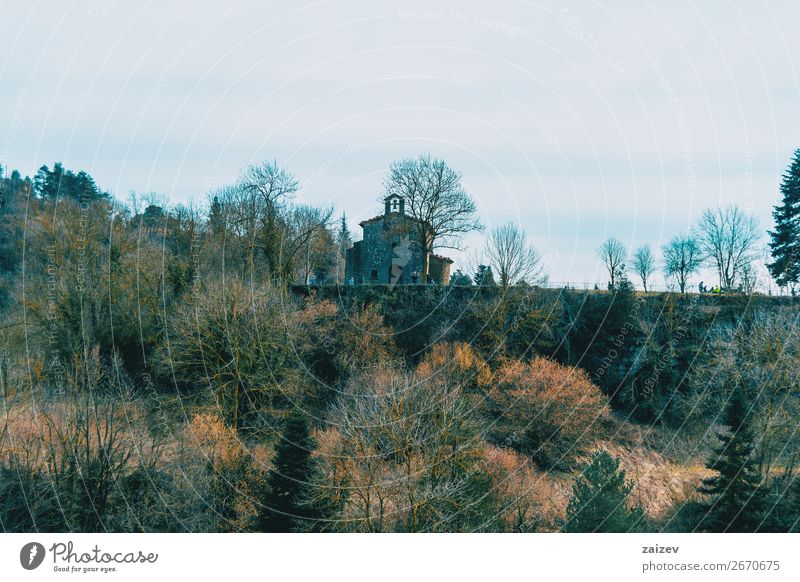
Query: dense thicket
{"points": [[655, 355]]}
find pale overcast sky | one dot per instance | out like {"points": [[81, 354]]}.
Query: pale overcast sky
{"points": [[578, 120]]}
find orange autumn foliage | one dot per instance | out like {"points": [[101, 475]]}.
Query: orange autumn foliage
{"points": [[528, 499], [546, 411], [460, 363]]}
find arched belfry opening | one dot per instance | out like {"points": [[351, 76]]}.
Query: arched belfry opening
{"points": [[395, 204]]}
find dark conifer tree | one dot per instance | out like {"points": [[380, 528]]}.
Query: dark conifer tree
{"points": [[285, 506], [599, 500], [343, 238], [83, 187], [737, 498], [459, 278], [54, 186], [216, 220], [343, 241], [785, 239], [40, 180], [484, 276]]}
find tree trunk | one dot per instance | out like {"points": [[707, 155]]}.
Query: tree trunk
{"points": [[427, 245]]}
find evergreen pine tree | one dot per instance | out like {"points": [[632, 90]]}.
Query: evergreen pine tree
{"points": [[343, 238], [65, 184], [83, 187], [792, 517], [285, 506], [785, 239], [54, 187], [484, 276], [459, 278], [599, 500], [344, 241], [40, 181], [216, 220], [737, 499]]}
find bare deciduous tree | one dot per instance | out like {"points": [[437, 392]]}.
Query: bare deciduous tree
{"points": [[644, 264], [261, 193], [748, 279], [434, 197], [512, 258], [612, 252], [270, 183], [306, 239], [728, 238], [259, 211], [403, 457], [682, 257], [545, 410]]}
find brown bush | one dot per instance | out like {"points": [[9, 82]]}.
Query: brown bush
{"points": [[226, 479], [73, 456], [528, 499], [235, 343], [545, 410], [405, 456], [460, 363], [364, 341]]}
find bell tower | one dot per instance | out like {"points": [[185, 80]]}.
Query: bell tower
{"points": [[395, 204]]}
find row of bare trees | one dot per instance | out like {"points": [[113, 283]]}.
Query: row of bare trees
{"points": [[726, 239], [296, 242], [286, 237]]}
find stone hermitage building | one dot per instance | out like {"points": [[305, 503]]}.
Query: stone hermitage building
{"points": [[391, 252]]}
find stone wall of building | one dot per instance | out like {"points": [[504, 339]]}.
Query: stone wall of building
{"points": [[439, 269], [391, 251], [353, 263], [386, 240]]}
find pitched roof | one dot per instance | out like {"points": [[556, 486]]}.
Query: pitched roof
{"points": [[370, 220], [382, 216]]}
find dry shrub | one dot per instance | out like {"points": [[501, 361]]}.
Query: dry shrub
{"points": [[312, 338], [95, 468], [659, 485], [215, 440], [365, 342], [339, 343], [235, 342], [405, 456], [460, 362], [355, 481], [72, 458], [52, 430], [528, 499], [545, 410], [226, 478]]}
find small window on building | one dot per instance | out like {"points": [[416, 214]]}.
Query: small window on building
{"points": [[373, 274]]}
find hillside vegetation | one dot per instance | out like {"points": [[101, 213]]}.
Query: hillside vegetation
{"points": [[159, 373]]}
